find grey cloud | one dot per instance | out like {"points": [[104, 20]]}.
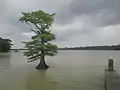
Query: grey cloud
{"points": [[92, 9], [67, 35], [92, 13]]}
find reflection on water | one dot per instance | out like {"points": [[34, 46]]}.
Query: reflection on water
{"points": [[4, 60], [39, 80], [69, 70]]}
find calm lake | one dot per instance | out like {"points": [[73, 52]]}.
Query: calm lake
{"points": [[69, 70]]}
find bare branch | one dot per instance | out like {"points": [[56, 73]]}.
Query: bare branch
{"points": [[38, 27], [31, 29]]}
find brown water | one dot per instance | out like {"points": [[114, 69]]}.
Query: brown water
{"points": [[69, 70]]}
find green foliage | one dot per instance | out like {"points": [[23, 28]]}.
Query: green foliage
{"points": [[40, 23], [5, 45]]}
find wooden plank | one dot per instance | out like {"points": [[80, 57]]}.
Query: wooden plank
{"points": [[112, 80]]}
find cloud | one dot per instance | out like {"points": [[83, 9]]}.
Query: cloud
{"points": [[77, 22], [102, 12]]}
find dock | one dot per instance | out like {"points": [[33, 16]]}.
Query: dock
{"points": [[112, 78]]}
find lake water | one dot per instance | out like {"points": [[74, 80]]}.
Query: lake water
{"points": [[69, 70]]}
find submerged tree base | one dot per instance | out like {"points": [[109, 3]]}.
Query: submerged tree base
{"points": [[42, 67]]}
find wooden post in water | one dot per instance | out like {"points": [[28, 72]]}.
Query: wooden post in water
{"points": [[112, 77], [110, 65]]}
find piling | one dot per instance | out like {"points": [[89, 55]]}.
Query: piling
{"points": [[112, 78]]}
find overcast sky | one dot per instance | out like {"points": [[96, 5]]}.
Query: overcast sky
{"points": [[77, 22]]}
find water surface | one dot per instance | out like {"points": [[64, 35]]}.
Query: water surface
{"points": [[69, 70]]}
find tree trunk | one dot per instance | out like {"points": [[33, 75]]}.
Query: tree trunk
{"points": [[42, 65]]}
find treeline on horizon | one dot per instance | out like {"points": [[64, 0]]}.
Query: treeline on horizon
{"points": [[113, 47], [5, 45]]}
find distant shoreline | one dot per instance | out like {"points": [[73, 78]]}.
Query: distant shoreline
{"points": [[112, 47]]}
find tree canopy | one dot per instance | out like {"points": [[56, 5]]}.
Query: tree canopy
{"points": [[39, 46], [5, 45]]}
